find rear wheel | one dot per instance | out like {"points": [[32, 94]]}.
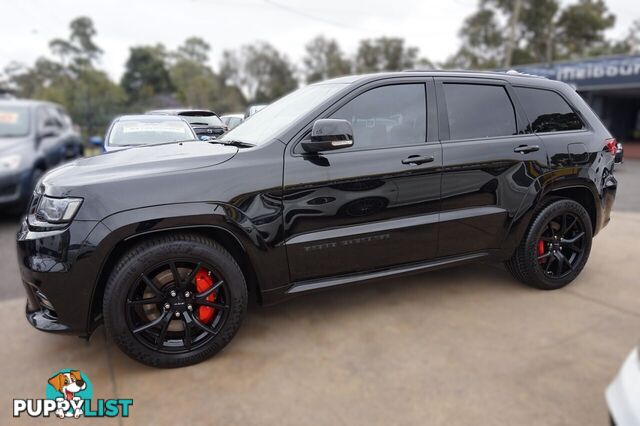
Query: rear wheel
{"points": [[174, 301], [555, 248]]}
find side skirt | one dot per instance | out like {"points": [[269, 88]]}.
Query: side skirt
{"points": [[317, 284]]}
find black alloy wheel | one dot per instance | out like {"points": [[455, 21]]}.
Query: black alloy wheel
{"points": [[167, 313], [556, 246], [174, 300], [561, 245]]}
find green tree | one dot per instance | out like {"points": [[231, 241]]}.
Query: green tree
{"points": [[581, 28], [146, 74], [262, 72], [91, 98], [79, 50], [195, 82], [385, 54], [194, 49], [482, 42], [543, 32], [324, 59]]}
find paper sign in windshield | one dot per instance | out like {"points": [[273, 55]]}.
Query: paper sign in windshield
{"points": [[8, 117], [137, 128]]}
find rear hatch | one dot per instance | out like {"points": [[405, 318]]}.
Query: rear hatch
{"points": [[204, 122]]}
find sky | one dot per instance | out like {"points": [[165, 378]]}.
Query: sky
{"points": [[26, 26]]}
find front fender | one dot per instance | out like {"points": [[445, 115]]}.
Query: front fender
{"points": [[268, 260]]}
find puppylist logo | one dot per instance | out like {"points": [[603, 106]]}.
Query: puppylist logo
{"points": [[69, 394]]}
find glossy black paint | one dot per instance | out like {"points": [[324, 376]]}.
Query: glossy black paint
{"points": [[298, 221]]}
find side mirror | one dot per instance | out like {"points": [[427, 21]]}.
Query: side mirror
{"points": [[329, 134], [96, 141], [205, 138]]}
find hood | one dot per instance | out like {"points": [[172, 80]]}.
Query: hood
{"points": [[130, 164]]}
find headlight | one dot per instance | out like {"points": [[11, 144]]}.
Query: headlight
{"points": [[11, 162], [57, 210]]}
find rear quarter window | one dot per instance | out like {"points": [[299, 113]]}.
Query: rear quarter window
{"points": [[547, 111]]}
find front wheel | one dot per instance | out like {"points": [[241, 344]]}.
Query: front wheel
{"points": [[174, 301], [555, 248]]}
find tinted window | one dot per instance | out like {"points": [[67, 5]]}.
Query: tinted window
{"points": [[64, 117], [389, 115], [547, 111], [53, 119], [202, 120], [479, 111]]}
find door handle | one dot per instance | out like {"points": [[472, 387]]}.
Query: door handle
{"points": [[418, 159], [525, 149]]}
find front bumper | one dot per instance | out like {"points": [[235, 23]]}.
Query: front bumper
{"points": [[623, 394], [59, 272]]}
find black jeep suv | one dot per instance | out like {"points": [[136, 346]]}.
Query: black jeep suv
{"points": [[342, 181]]}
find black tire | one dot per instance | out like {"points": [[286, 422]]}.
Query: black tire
{"points": [[548, 258], [127, 276]]}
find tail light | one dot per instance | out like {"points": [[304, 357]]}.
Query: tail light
{"points": [[611, 145]]}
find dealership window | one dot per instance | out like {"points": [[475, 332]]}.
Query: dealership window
{"points": [[387, 116], [479, 111], [547, 111]]}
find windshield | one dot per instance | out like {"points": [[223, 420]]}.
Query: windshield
{"points": [[202, 120], [14, 121], [264, 125], [143, 132]]}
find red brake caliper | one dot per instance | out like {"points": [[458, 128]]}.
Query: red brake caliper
{"points": [[540, 250], [203, 283]]}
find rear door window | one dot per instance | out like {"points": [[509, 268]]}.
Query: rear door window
{"points": [[547, 111], [479, 111]]}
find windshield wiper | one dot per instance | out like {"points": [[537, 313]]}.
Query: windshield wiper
{"points": [[197, 123], [239, 144]]}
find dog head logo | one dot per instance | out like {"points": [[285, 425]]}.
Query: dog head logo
{"points": [[72, 386], [68, 384]]}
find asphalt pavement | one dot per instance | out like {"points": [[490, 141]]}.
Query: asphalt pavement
{"points": [[463, 346]]}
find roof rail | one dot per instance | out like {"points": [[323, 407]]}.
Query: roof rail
{"points": [[524, 74]]}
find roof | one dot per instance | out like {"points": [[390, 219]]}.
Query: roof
{"points": [[510, 75], [150, 117], [185, 111], [24, 102]]}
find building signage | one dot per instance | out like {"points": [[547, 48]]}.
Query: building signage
{"points": [[605, 73]]}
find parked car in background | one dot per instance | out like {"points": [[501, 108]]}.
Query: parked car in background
{"points": [[135, 130], [204, 122], [253, 109], [35, 136], [232, 120], [619, 153], [623, 394], [339, 182]]}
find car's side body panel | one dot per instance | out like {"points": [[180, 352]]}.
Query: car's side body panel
{"points": [[306, 222], [362, 209], [484, 181]]}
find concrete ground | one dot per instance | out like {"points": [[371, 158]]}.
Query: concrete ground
{"points": [[458, 346]]}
